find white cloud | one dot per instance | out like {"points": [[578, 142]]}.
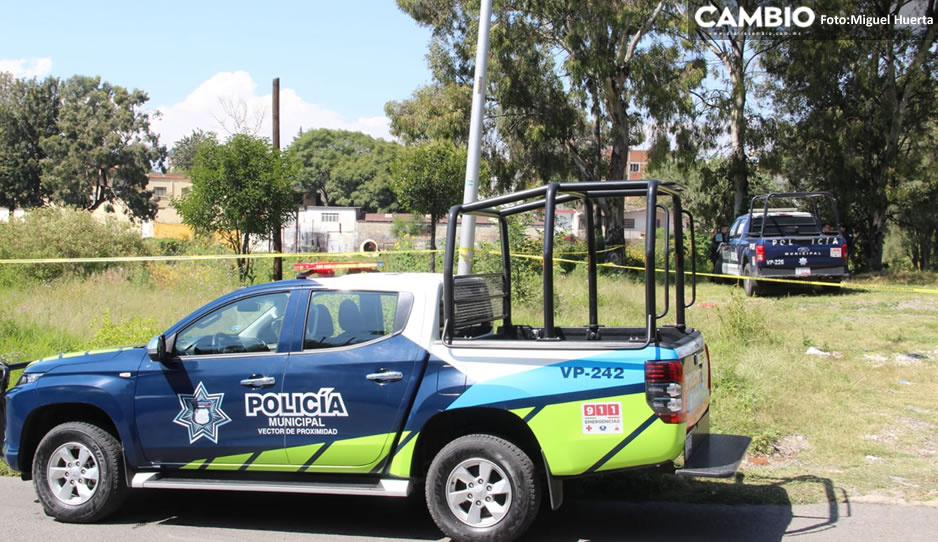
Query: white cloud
{"points": [[204, 108], [26, 67]]}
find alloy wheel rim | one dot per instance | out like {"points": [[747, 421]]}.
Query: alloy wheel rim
{"points": [[478, 492], [72, 474]]}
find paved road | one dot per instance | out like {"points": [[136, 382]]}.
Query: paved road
{"points": [[211, 516]]}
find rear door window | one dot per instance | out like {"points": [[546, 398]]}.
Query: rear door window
{"points": [[336, 319]]}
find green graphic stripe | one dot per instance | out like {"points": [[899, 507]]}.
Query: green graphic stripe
{"points": [[569, 451], [403, 459]]}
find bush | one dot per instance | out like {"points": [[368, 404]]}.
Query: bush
{"points": [[64, 233], [133, 331]]}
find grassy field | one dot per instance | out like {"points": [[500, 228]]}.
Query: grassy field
{"points": [[857, 423]]}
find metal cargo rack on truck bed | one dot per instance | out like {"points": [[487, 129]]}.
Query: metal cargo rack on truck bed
{"points": [[477, 300]]}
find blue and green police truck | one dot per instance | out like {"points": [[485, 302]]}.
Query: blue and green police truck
{"points": [[376, 384]]}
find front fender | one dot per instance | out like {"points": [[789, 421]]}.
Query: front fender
{"points": [[36, 404]]}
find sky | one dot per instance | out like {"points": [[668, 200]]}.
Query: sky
{"points": [[338, 62]]}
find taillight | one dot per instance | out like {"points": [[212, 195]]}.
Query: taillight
{"points": [[760, 253], [709, 380], [843, 251], [664, 389]]}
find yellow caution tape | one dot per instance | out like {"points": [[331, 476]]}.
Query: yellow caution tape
{"points": [[309, 255], [253, 255], [856, 286]]}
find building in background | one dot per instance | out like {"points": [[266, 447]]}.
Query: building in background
{"points": [[638, 163], [167, 222]]}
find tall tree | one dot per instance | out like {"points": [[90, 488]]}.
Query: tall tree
{"points": [[182, 155], [28, 114], [856, 105], [103, 149], [428, 179], [585, 108], [727, 102], [346, 168], [240, 191]]}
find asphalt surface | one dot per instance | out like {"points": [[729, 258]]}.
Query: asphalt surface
{"points": [[222, 516]]}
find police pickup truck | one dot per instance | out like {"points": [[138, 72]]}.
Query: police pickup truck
{"points": [[374, 384], [785, 242]]}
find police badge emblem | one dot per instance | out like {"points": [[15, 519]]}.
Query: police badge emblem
{"points": [[201, 414]]}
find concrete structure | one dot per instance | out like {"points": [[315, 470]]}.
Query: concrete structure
{"points": [[323, 229], [168, 222], [5, 214]]}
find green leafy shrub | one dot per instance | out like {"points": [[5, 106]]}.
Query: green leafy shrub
{"points": [[65, 233], [132, 331]]}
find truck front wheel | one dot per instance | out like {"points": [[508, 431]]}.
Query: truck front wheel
{"points": [[482, 488], [78, 473]]}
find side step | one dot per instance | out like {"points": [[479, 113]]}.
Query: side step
{"points": [[387, 487], [717, 456]]}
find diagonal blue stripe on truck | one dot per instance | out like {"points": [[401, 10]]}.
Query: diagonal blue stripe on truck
{"points": [[621, 371]]}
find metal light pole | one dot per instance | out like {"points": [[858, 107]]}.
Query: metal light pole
{"points": [[471, 189]]}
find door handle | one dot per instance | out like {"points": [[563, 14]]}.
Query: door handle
{"points": [[258, 381], [383, 377]]}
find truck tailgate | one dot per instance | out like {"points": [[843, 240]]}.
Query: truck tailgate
{"points": [[803, 253]]}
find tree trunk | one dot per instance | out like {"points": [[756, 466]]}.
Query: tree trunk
{"points": [[244, 264], [614, 208], [433, 219], [278, 248], [873, 258], [738, 163]]}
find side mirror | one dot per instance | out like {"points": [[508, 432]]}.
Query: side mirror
{"points": [[156, 348]]}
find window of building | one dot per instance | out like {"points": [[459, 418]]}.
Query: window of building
{"points": [[629, 224], [159, 191], [186, 190], [635, 167], [346, 318], [330, 217]]}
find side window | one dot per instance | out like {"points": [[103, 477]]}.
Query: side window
{"points": [[346, 318], [737, 228], [251, 324]]}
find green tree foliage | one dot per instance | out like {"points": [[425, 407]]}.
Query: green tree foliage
{"points": [[103, 149], [709, 188], [28, 113], [346, 168], [437, 111], [914, 204], [734, 70], [182, 155], [855, 107], [568, 85], [241, 190], [428, 180]]}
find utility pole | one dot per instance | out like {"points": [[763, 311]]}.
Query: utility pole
{"points": [[471, 189], [277, 233]]}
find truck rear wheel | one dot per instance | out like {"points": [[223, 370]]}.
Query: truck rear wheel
{"points": [[482, 488], [750, 285], [78, 473]]}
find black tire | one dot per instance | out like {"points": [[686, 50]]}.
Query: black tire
{"points": [[519, 507], [750, 286], [90, 499]]}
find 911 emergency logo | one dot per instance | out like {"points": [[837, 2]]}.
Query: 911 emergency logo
{"points": [[201, 414]]}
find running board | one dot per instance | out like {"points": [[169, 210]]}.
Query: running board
{"points": [[386, 488]]}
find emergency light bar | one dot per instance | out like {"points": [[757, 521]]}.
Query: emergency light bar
{"points": [[328, 269]]}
